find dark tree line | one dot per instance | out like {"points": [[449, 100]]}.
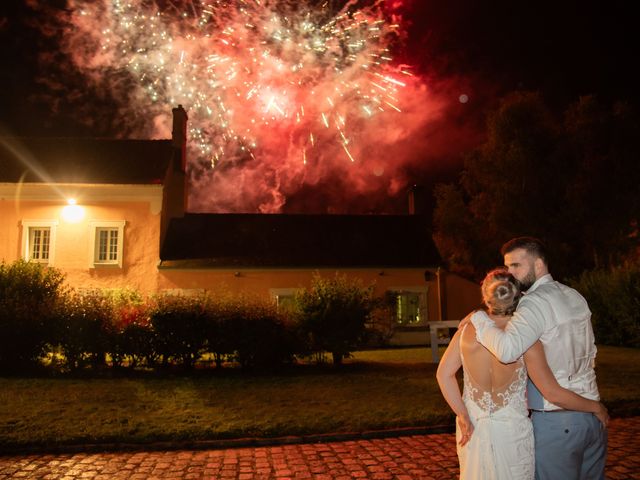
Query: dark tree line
{"points": [[572, 179]]}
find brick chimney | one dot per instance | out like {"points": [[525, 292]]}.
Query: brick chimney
{"points": [[179, 133], [174, 195]]}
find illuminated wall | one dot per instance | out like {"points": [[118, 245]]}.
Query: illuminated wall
{"points": [[110, 239], [129, 216]]}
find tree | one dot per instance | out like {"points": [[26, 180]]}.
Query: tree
{"points": [[571, 182], [455, 229], [603, 198], [333, 314]]}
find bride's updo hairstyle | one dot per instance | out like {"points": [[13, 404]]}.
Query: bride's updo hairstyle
{"points": [[500, 292]]}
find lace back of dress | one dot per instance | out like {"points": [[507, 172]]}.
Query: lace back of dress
{"points": [[488, 383]]}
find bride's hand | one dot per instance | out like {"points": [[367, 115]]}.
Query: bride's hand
{"points": [[466, 430], [603, 415]]}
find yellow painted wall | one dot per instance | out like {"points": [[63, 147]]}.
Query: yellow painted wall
{"points": [[461, 296], [140, 270], [73, 251]]}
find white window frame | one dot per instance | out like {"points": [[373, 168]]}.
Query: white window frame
{"points": [[422, 292], [27, 226], [94, 227]]}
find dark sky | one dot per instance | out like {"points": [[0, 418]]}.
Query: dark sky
{"points": [[564, 49]]}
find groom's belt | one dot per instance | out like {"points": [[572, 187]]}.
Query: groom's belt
{"points": [[551, 411]]}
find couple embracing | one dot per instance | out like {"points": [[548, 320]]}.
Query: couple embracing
{"points": [[529, 406]]}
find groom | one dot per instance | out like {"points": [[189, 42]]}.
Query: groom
{"points": [[569, 445]]}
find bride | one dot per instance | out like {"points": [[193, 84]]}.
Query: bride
{"points": [[494, 434]]}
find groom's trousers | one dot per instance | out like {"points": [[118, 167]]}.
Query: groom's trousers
{"points": [[569, 445]]}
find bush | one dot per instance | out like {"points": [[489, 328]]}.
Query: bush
{"points": [[334, 313], [87, 329], [29, 296], [249, 331], [220, 316], [134, 340], [614, 300], [179, 326], [382, 322], [131, 337], [261, 336]]}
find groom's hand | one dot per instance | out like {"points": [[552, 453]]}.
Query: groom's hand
{"points": [[603, 415]]}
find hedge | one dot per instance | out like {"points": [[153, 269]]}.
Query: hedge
{"points": [[41, 322], [614, 299]]}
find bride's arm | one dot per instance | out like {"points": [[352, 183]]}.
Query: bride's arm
{"points": [[543, 378], [446, 376]]}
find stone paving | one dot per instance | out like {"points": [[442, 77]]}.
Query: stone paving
{"points": [[402, 458]]}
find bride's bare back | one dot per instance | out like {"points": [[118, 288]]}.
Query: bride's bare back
{"points": [[490, 383]]}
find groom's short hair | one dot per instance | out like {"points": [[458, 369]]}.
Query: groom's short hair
{"points": [[533, 246]]}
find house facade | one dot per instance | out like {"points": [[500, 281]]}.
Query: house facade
{"points": [[86, 207], [112, 214]]}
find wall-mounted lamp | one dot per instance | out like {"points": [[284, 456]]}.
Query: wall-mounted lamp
{"points": [[72, 213]]}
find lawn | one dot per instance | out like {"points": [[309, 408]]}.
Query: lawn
{"points": [[374, 390]]}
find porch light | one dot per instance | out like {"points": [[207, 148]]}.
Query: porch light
{"points": [[72, 212]]}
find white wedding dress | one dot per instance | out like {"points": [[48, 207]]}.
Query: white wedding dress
{"points": [[501, 446]]}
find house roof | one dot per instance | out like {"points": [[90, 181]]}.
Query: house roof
{"points": [[84, 160], [276, 240]]}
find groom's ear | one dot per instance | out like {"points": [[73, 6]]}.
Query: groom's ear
{"points": [[540, 268]]}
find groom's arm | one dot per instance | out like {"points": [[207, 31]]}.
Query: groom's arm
{"points": [[525, 327], [543, 378]]}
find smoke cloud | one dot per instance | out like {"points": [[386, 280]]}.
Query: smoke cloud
{"points": [[292, 108]]}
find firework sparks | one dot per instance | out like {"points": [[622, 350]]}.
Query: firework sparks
{"points": [[243, 67], [298, 87]]}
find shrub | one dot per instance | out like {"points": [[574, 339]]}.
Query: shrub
{"points": [[382, 323], [334, 313], [179, 327], [261, 336], [249, 331], [131, 338], [87, 329], [614, 300], [29, 295], [221, 330]]}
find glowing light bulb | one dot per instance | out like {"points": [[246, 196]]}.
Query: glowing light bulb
{"points": [[72, 212]]}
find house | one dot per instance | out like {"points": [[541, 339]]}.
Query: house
{"points": [[112, 214]]}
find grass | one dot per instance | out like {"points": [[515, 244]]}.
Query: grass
{"points": [[374, 390]]}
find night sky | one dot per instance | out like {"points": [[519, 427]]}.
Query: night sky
{"points": [[479, 49]]}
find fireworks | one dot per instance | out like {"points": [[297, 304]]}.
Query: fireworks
{"points": [[282, 96], [248, 70]]}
